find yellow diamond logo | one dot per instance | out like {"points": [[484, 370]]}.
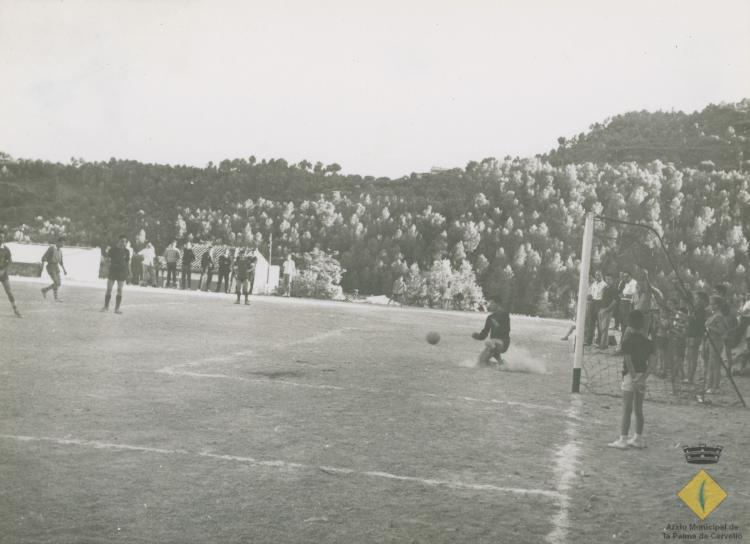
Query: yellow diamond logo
{"points": [[702, 495]]}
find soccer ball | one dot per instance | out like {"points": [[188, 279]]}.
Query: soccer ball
{"points": [[433, 337]]}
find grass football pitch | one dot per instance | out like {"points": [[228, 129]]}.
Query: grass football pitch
{"points": [[191, 420]]}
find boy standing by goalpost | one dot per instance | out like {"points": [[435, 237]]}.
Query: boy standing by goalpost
{"points": [[637, 350]]}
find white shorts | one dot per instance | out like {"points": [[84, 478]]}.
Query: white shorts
{"points": [[629, 387]]}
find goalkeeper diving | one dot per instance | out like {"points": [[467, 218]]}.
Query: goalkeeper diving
{"points": [[497, 327]]}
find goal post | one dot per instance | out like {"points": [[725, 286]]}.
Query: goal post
{"points": [[583, 288]]}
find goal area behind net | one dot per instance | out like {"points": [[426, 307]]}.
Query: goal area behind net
{"points": [[644, 277]]}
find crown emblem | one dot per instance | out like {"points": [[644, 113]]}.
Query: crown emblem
{"points": [[702, 454]]}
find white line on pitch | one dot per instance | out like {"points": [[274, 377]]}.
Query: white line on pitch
{"points": [[432, 482], [566, 460], [172, 369], [317, 337]]}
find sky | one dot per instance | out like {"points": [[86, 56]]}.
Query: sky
{"points": [[383, 88]]}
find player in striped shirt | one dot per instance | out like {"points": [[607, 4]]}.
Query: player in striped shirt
{"points": [[5, 262]]}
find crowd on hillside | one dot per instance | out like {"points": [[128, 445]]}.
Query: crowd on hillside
{"points": [[712, 325]]}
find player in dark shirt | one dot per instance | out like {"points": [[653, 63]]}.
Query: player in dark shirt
{"points": [[5, 262], [497, 326], [187, 265], [119, 271], [225, 265], [637, 349], [244, 266]]}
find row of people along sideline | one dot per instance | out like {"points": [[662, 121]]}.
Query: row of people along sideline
{"points": [[682, 332], [175, 267]]}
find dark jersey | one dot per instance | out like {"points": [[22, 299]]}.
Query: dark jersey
{"points": [[5, 259], [119, 260], [696, 322], [224, 263], [497, 326], [640, 349], [609, 295], [243, 267], [53, 256], [187, 258], [206, 260]]}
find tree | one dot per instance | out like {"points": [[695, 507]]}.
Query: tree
{"points": [[319, 276]]}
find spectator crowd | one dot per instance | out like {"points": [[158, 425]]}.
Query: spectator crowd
{"points": [[220, 268], [691, 337]]}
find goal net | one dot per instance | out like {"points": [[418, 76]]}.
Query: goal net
{"points": [[688, 364]]}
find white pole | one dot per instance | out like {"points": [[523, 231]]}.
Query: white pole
{"points": [[583, 289], [270, 260]]}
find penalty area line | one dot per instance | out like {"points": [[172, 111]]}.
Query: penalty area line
{"points": [[280, 464]]}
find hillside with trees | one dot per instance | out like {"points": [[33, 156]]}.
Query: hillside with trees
{"points": [[509, 227], [718, 137]]}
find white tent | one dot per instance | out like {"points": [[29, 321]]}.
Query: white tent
{"points": [[82, 263]]}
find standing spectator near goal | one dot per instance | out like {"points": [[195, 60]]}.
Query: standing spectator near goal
{"points": [[148, 254], [187, 266], [625, 306], [661, 326], [54, 259], [732, 337], [642, 300], [610, 298], [171, 256], [717, 327], [695, 332], [743, 332], [207, 269], [596, 290], [119, 271], [225, 265], [136, 267], [637, 349], [5, 262], [289, 269], [677, 339]]}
